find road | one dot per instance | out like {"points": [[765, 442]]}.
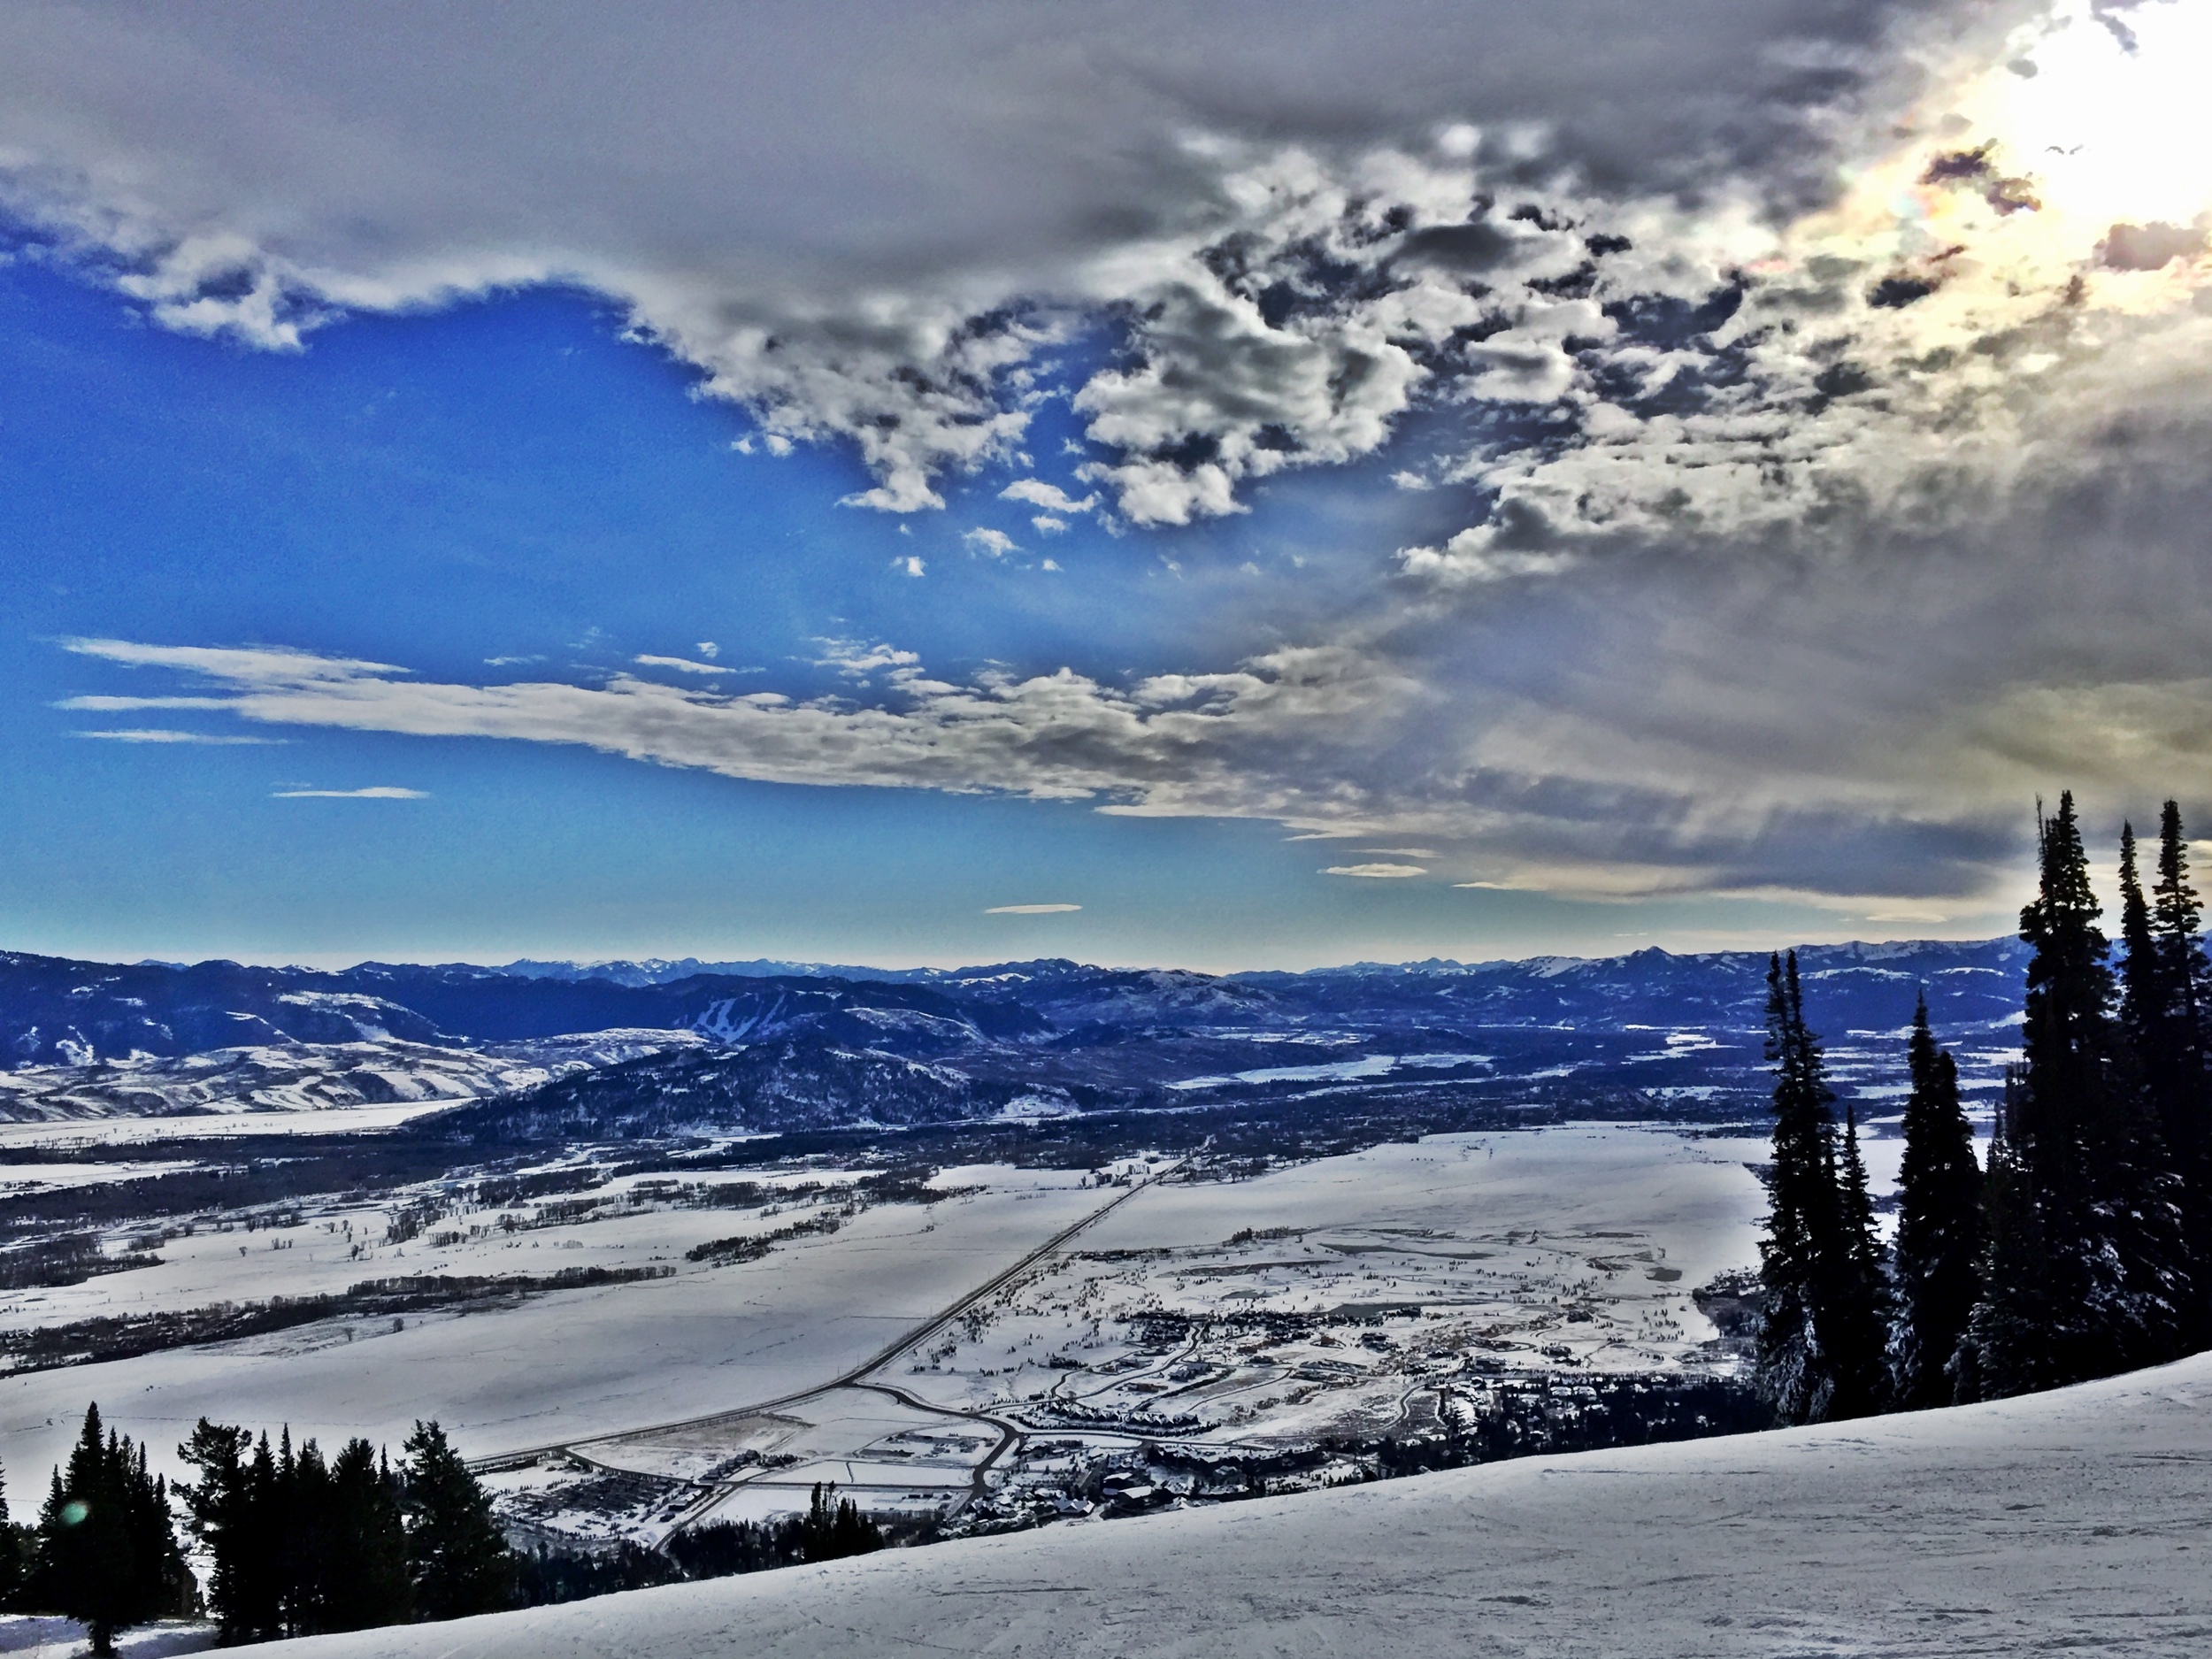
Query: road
{"points": [[1008, 1433]]}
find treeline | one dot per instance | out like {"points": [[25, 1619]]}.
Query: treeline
{"points": [[296, 1544], [831, 1529], [2083, 1247], [128, 1336]]}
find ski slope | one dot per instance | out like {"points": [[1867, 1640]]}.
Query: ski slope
{"points": [[2074, 1522]]}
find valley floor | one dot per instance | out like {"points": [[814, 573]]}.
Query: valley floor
{"points": [[2073, 1522]]}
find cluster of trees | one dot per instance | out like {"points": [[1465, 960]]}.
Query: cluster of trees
{"points": [[296, 1544], [832, 1527], [2085, 1245], [103, 1550]]}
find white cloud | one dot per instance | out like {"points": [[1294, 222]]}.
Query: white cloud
{"points": [[997, 543], [855, 660], [708, 648], [1375, 871], [911, 564], [1051, 497], [682, 665], [1030, 910], [375, 792], [1332, 239], [1045, 523], [157, 735], [120, 705]]}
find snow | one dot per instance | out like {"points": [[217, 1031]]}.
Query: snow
{"points": [[568, 1365], [2060, 1524]]}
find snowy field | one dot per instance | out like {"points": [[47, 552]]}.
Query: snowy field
{"points": [[1330, 1296], [2068, 1523], [1383, 1292], [557, 1367]]}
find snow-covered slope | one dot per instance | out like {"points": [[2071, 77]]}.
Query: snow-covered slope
{"points": [[2071, 1522]]}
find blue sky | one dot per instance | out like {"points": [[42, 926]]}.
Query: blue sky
{"points": [[1496, 519], [512, 479]]}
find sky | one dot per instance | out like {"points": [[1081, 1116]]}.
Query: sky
{"points": [[1259, 485]]}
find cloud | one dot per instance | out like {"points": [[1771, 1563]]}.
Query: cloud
{"points": [[1051, 497], [375, 792], [910, 566], [1810, 407], [682, 665], [1030, 910], [997, 543], [1382, 872], [1045, 523], [855, 661], [879, 224], [148, 735]]}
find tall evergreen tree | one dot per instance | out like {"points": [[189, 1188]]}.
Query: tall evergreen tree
{"points": [[1794, 1373], [1859, 1297], [457, 1560], [1821, 1340], [217, 1510], [13, 1547], [2176, 1047], [367, 1584], [2086, 1273], [107, 1556], [1939, 1230]]}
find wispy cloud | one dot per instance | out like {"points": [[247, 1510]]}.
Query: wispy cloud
{"points": [[682, 665], [375, 792], [855, 660], [124, 705], [1030, 910], [156, 735], [1379, 873]]}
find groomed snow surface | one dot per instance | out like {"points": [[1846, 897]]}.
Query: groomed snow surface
{"points": [[2074, 1522]]}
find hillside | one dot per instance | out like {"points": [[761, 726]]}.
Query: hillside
{"points": [[2063, 1523]]}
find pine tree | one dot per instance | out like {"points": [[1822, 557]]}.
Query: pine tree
{"points": [[1940, 1228], [1821, 1340], [1859, 1297], [2086, 1274], [12, 1556], [217, 1513], [458, 1561], [2174, 1047], [1795, 1374], [107, 1556], [368, 1543]]}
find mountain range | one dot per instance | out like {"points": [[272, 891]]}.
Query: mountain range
{"points": [[770, 1042]]}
